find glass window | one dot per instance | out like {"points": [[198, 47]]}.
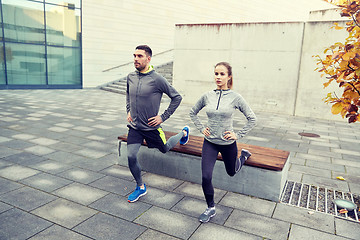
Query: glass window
{"points": [[63, 26], [64, 66], [25, 64], [67, 3], [35, 48], [1, 23], [2, 67], [23, 21]]}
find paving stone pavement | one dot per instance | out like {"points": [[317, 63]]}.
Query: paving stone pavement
{"points": [[59, 178]]}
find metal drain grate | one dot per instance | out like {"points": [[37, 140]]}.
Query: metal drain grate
{"points": [[319, 199]]}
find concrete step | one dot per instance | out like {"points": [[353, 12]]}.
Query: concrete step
{"points": [[166, 70], [115, 90], [118, 86], [121, 82]]}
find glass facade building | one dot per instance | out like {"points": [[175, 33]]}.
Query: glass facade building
{"points": [[40, 44]]}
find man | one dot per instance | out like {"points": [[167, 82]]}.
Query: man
{"points": [[143, 95]]}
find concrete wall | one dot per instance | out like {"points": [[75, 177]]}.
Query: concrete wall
{"points": [[273, 67], [317, 37], [332, 14], [264, 56], [112, 28]]}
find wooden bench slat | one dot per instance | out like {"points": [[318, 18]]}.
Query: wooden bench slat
{"points": [[263, 157]]}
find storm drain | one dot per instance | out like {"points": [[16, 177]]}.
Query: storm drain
{"points": [[319, 199], [305, 134]]}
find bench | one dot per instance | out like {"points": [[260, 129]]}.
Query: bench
{"points": [[263, 175]]}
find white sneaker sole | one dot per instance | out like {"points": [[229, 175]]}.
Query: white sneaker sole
{"points": [[137, 197], [208, 218], [188, 134]]}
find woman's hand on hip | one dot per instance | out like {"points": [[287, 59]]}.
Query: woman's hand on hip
{"points": [[206, 131], [228, 135]]}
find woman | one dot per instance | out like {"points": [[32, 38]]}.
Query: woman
{"points": [[220, 105]]}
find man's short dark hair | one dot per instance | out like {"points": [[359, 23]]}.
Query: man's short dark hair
{"points": [[146, 48]]}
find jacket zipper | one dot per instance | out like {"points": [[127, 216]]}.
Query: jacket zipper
{"points": [[217, 107], [138, 89]]}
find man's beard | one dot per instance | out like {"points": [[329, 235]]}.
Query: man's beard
{"points": [[140, 67]]}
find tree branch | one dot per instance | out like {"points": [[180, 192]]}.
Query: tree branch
{"points": [[356, 90], [354, 19], [350, 67]]}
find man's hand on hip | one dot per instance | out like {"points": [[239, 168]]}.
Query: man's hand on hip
{"points": [[154, 121], [129, 119]]}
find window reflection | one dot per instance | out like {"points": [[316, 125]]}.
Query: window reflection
{"points": [[2, 67], [68, 3], [25, 64], [1, 25], [62, 26], [23, 21], [64, 66], [47, 54]]}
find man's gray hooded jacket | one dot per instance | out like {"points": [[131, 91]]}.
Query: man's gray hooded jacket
{"points": [[143, 97]]}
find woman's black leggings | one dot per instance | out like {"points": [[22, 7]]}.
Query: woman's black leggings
{"points": [[210, 152]]}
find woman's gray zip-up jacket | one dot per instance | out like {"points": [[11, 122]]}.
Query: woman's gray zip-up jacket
{"points": [[220, 106], [143, 96]]}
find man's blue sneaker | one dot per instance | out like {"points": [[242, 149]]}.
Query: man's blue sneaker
{"points": [[137, 193], [185, 139]]}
